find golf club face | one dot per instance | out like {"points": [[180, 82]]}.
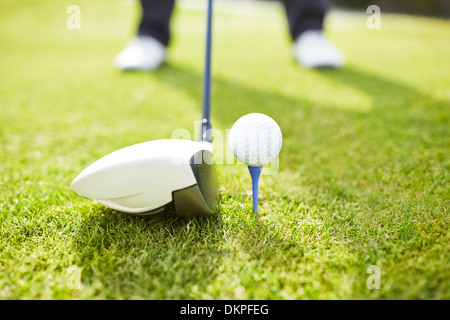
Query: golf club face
{"points": [[161, 176], [202, 199]]}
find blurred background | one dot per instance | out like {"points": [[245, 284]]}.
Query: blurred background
{"points": [[436, 8]]}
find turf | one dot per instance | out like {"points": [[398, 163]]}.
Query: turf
{"points": [[363, 177]]}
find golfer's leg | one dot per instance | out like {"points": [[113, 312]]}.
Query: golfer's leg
{"points": [[155, 19], [312, 49], [305, 15], [147, 51]]}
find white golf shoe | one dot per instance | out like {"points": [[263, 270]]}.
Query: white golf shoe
{"points": [[143, 53], [313, 50]]}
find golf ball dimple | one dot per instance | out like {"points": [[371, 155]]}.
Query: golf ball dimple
{"points": [[255, 139]]}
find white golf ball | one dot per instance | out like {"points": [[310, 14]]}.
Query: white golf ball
{"points": [[255, 139]]}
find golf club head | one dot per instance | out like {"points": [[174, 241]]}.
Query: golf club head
{"points": [[170, 175]]}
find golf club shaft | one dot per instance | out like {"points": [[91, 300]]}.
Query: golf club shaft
{"points": [[205, 134]]}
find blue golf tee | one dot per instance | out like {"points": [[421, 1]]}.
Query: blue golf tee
{"points": [[255, 173]]}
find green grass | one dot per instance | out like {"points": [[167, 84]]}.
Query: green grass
{"points": [[364, 169]]}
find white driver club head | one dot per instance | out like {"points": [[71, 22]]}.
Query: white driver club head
{"points": [[161, 175]]}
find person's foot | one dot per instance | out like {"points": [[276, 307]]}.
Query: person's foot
{"points": [[143, 53], [313, 50]]}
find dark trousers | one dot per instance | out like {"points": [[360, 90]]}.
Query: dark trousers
{"points": [[302, 15]]}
